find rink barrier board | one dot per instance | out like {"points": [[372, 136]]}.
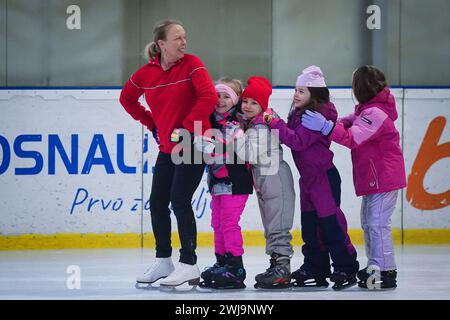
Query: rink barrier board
{"points": [[86, 229], [205, 239]]}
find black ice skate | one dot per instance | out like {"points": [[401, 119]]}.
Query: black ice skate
{"points": [[218, 267], [230, 276], [343, 280], [304, 280], [278, 276], [380, 281]]}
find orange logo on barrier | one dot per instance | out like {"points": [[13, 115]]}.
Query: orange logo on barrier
{"points": [[429, 153]]}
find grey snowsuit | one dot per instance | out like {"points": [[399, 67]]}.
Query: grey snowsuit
{"points": [[273, 182]]}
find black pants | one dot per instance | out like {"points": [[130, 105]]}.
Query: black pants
{"points": [[174, 184], [326, 236]]}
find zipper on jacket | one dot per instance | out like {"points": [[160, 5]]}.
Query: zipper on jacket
{"points": [[374, 172]]}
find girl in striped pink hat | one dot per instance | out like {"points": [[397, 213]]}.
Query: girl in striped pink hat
{"points": [[230, 184]]}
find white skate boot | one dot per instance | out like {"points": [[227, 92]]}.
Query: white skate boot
{"points": [[183, 273], [159, 269]]}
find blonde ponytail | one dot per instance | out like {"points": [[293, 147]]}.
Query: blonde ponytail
{"points": [[151, 49]]}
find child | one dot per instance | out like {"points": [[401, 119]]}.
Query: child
{"points": [[273, 182], [378, 165], [230, 184], [324, 227]]}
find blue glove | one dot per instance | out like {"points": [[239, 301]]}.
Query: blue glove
{"points": [[317, 122], [155, 134]]}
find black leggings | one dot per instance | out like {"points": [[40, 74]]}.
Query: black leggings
{"points": [[174, 184]]}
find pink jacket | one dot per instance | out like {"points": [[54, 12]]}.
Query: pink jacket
{"points": [[378, 164]]}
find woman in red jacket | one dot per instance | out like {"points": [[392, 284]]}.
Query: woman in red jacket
{"points": [[179, 91]]}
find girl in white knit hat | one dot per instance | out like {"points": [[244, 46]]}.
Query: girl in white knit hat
{"points": [[324, 227]]}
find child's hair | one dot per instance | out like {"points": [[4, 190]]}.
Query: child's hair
{"points": [[234, 84], [319, 96], [367, 82]]}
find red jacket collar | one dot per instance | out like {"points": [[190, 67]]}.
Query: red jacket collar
{"points": [[156, 61]]}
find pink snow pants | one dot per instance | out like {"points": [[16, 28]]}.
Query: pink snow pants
{"points": [[226, 212]]}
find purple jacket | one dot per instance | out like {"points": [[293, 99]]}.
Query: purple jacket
{"points": [[310, 149], [378, 164]]}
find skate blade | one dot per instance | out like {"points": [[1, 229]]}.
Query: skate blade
{"points": [[148, 285], [218, 290], [309, 284], [340, 287], [204, 286], [185, 286], [204, 289], [363, 285], [212, 286], [309, 288], [279, 288]]}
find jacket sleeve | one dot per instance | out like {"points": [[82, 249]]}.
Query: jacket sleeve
{"points": [[298, 139], [254, 144], [206, 98], [365, 127], [347, 121], [129, 99]]}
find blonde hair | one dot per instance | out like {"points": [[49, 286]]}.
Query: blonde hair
{"points": [[234, 84], [159, 33]]}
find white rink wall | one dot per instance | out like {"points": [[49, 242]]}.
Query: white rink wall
{"points": [[99, 186]]}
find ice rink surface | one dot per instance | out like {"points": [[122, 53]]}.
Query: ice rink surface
{"points": [[110, 274]]}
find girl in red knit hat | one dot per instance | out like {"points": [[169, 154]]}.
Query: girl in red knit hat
{"points": [[273, 182]]}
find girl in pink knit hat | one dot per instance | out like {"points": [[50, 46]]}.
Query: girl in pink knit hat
{"points": [[324, 227], [378, 168]]}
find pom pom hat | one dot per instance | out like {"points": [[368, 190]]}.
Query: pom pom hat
{"points": [[259, 89], [311, 77]]}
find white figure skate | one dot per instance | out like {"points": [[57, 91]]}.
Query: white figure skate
{"points": [[160, 268], [183, 274]]}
